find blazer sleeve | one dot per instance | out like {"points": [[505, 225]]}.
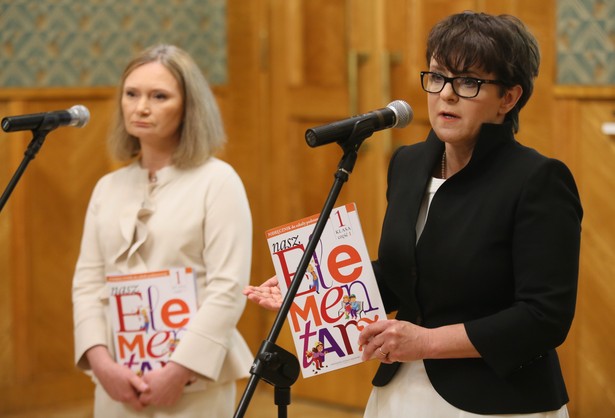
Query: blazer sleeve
{"points": [[545, 244], [89, 311], [212, 336]]}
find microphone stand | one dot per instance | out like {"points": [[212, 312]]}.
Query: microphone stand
{"points": [[272, 363], [35, 145]]}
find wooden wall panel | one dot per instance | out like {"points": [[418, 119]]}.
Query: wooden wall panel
{"points": [[6, 316], [385, 45], [294, 64], [45, 213], [596, 345], [245, 116], [40, 228]]}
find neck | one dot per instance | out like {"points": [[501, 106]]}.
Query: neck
{"points": [[443, 166], [454, 160], [153, 162]]}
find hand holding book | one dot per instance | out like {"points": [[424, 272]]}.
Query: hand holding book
{"points": [[337, 296]]}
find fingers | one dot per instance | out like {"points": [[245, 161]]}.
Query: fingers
{"points": [[138, 384], [382, 353], [373, 330], [271, 282], [267, 295], [267, 287], [137, 404], [140, 387], [377, 351], [372, 341]]}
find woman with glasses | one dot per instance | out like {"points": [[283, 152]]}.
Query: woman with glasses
{"points": [[480, 243]]}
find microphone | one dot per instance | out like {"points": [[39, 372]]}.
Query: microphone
{"points": [[77, 116], [397, 114]]}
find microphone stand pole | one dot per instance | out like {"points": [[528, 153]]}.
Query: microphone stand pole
{"points": [[272, 363], [35, 145]]}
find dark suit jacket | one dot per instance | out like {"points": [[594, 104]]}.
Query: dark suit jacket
{"points": [[499, 253]]}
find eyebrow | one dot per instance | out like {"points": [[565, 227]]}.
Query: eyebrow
{"points": [[470, 73], [154, 89]]}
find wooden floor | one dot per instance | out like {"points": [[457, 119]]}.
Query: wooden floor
{"points": [[261, 406]]}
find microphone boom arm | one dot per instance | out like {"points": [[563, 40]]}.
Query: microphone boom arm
{"points": [[272, 363], [35, 145]]}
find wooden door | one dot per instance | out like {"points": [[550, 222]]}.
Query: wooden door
{"points": [[321, 53]]}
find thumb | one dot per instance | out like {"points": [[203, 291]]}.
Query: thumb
{"points": [[139, 384]]}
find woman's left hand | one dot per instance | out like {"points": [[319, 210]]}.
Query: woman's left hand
{"points": [[166, 384], [394, 340]]}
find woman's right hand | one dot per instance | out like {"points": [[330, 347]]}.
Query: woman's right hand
{"points": [[120, 383], [267, 295]]}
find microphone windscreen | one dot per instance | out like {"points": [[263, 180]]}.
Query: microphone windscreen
{"points": [[403, 113]]}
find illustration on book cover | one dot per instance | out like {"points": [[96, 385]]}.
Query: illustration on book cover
{"points": [[338, 295], [149, 313]]}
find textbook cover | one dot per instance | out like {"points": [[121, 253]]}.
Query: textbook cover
{"points": [[338, 295], [149, 314]]}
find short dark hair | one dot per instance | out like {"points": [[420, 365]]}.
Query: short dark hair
{"points": [[501, 45]]}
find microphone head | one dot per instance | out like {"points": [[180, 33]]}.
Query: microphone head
{"points": [[403, 113], [80, 116]]}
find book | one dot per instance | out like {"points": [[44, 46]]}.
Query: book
{"points": [[149, 314], [338, 295]]}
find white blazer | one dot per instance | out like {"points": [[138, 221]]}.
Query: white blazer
{"points": [[197, 218]]}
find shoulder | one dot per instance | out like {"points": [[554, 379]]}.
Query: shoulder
{"points": [[215, 180], [534, 177], [120, 177], [411, 151], [215, 171], [533, 164], [423, 152], [407, 156], [211, 166], [414, 161]]}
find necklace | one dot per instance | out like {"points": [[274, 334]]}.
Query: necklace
{"points": [[444, 165]]}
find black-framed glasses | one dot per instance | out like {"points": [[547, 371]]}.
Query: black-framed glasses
{"points": [[466, 87]]}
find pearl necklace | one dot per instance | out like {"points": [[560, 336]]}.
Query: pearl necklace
{"points": [[443, 166]]}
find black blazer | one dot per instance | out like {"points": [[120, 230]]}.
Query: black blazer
{"points": [[499, 253]]}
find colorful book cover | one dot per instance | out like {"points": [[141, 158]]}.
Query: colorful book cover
{"points": [[338, 295], [149, 314]]}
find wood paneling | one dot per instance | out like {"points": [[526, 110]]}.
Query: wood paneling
{"points": [[43, 219], [595, 343], [295, 64]]}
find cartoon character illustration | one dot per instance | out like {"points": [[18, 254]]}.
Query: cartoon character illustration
{"points": [[315, 284], [346, 306], [354, 306], [145, 317], [317, 355], [173, 344]]}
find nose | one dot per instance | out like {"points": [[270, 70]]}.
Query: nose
{"points": [[142, 105], [448, 92]]}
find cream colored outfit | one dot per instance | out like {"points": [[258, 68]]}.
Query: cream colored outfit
{"points": [[197, 218], [411, 395]]}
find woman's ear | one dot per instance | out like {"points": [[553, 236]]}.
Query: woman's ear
{"points": [[510, 98]]}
